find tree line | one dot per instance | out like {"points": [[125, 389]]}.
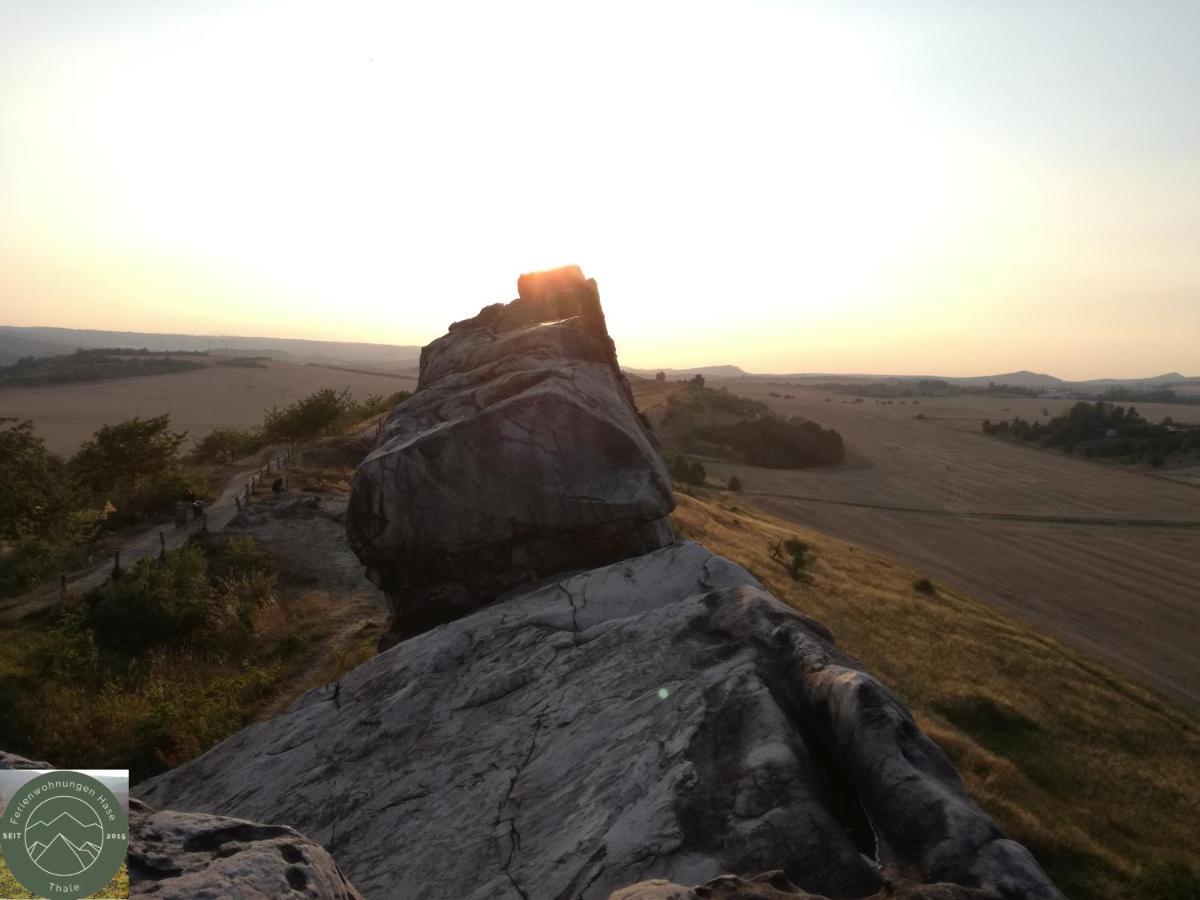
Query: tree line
{"points": [[1103, 429], [58, 513]]}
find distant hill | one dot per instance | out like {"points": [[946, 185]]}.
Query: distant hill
{"points": [[1022, 378], [706, 371], [16, 342]]}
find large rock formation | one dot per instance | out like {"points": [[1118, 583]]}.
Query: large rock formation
{"points": [[658, 717], [520, 455], [662, 716]]}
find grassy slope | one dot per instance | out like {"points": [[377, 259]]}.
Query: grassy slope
{"points": [[1099, 777], [11, 889]]}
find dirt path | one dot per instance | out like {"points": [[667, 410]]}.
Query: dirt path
{"points": [[320, 577], [218, 514]]}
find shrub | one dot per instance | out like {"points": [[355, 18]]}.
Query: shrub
{"points": [[225, 445], [777, 443], [924, 586], [1173, 881], [322, 412], [686, 470], [794, 555], [155, 602], [735, 483], [121, 458], [34, 494]]}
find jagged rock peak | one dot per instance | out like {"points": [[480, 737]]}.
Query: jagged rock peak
{"points": [[520, 456]]}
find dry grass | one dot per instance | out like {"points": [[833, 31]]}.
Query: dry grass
{"points": [[176, 702], [1097, 775], [11, 889], [1068, 545]]}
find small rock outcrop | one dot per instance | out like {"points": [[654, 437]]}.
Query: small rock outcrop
{"points": [[185, 856], [520, 455], [600, 705], [12, 761], [777, 886], [188, 856]]}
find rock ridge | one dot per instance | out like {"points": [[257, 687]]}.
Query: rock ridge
{"points": [[574, 702], [520, 455]]}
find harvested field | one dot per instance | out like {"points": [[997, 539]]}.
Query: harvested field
{"points": [[1104, 558], [214, 397]]}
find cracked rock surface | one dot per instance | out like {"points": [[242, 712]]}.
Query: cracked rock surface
{"points": [[661, 717], [520, 455], [574, 702]]}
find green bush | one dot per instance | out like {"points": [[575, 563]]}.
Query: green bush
{"points": [[734, 484], [29, 561], [1173, 881], [226, 445], [34, 488], [183, 719], [155, 602], [794, 555], [322, 412], [925, 586], [686, 470]]}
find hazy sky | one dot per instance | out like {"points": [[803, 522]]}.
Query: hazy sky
{"points": [[953, 187]]}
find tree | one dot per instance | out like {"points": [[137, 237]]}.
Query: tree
{"points": [[697, 381], [120, 460], [735, 483], [661, 376], [225, 445], [794, 555], [34, 494], [319, 413], [155, 602], [686, 470]]}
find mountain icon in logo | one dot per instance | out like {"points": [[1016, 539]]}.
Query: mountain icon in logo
{"points": [[60, 843]]}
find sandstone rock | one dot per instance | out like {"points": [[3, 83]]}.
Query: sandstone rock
{"points": [[12, 761], [777, 886], [521, 455], [188, 856], [659, 717]]}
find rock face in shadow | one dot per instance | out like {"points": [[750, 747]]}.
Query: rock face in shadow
{"points": [[184, 856], [12, 761], [659, 717], [520, 455]]}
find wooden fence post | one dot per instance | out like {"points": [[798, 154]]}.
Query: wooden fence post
{"points": [[116, 570], [162, 545], [62, 587]]}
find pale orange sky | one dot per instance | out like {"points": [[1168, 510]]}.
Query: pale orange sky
{"points": [[926, 187]]}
